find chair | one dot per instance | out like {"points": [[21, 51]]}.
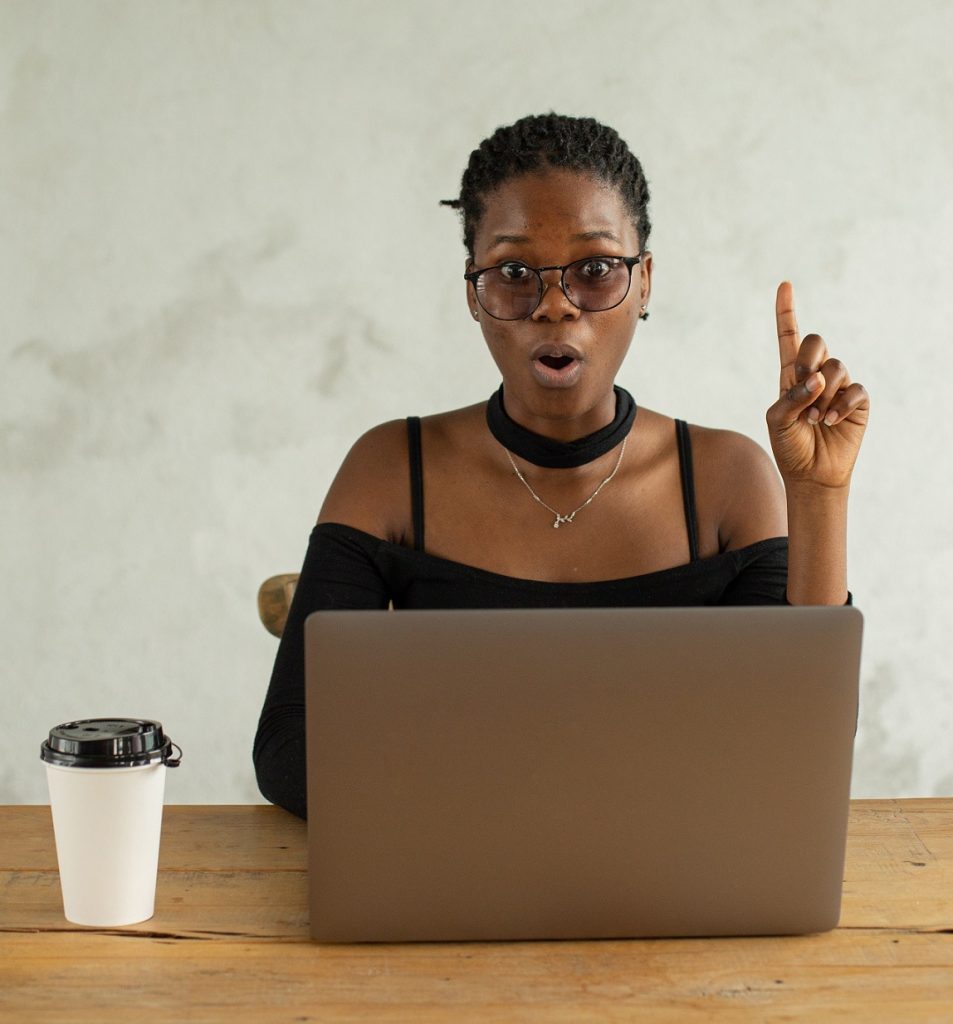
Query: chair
{"points": [[274, 600]]}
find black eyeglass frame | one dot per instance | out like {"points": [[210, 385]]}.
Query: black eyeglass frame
{"points": [[473, 277]]}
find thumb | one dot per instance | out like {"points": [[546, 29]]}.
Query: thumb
{"points": [[795, 400]]}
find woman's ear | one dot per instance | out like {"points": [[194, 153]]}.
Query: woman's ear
{"points": [[645, 282], [645, 274], [471, 293]]}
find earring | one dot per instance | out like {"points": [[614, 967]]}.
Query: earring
{"points": [[476, 315]]}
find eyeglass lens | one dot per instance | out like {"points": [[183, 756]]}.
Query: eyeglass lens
{"points": [[513, 291]]}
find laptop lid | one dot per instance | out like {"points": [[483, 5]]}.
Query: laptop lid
{"points": [[578, 773]]}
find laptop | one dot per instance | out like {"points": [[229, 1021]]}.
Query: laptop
{"points": [[578, 773]]}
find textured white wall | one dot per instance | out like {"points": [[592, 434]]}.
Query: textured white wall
{"points": [[210, 217]]}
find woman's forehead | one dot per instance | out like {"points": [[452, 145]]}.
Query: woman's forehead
{"points": [[555, 205]]}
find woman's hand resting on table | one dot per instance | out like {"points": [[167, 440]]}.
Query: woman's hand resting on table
{"points": [[817, 424]]}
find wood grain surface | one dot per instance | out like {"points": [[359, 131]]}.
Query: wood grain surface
{"points": [[229, 943]]}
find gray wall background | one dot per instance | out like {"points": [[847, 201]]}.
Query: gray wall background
{"points": [[223, 258]]}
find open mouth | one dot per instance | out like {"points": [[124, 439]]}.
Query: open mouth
{"points": [[557, 365], [556, 362]]}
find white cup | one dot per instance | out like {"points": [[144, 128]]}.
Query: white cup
{"points": [[107, 780]]}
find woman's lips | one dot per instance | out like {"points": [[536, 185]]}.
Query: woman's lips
{"points": [[556, 362], [556, 371]]}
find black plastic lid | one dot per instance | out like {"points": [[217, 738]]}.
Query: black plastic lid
{"points": [[108, 743]]}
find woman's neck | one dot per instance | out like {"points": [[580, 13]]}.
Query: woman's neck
{"points": [[554, 452]]}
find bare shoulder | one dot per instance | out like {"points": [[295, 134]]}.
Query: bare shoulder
{"points": [[738, 486], [371, 490], [725, 450]]}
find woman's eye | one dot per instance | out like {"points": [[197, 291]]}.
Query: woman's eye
{"points": [[595, 269], [515, 271]]}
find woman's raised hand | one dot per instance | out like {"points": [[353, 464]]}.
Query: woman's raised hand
{"points": [[818, 422]]}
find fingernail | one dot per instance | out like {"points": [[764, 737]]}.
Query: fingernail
{"points": [[814, 383], [813, 415], [831, 418]]}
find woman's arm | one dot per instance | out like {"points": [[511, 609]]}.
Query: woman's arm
{"points": [[338, 572], [816, 427], [369, 501]]}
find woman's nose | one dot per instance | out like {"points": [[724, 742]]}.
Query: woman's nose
{"points": [[554, 305]]}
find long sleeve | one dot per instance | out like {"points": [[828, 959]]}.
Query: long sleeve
{"points": [[762, 574], [339, 572]]}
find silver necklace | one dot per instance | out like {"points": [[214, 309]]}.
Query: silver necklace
{"points": [[560, 518]]}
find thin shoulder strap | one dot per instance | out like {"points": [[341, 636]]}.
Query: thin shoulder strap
{"points": [[416, 480], [688, 485]]}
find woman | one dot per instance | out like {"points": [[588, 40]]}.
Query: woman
{"points": [[558, 491]]}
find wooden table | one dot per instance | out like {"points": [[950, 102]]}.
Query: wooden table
{"points": [[229, 943]]}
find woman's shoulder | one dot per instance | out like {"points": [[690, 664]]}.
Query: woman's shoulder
{"points": [[737, 483], [722, 451], [372, 484], [372, 491], [387, 441], [728, 450]]}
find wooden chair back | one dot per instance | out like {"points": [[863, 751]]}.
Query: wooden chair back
{"points": [[274, 600]]}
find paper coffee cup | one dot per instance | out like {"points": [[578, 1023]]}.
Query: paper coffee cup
{"points": [[106, 779]]}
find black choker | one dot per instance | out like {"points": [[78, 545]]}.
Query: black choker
{"points": [[544, 451]]}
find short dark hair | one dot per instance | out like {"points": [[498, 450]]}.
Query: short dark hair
{"points": [[552, 140]]}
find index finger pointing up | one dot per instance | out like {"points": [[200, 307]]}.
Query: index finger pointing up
{"points": [[789, 338]]}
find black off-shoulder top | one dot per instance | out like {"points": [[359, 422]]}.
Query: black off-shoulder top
{"points": [[346, 568]]}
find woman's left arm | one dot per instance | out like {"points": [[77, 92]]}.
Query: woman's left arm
{"points": [[816, 427]]}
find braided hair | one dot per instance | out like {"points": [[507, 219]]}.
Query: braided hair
{"points": [[551, 140]]}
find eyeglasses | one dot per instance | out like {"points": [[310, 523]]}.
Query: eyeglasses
{"points": [[513, 291]]}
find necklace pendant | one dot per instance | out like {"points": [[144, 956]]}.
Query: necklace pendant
{"points": [[560, 518]]}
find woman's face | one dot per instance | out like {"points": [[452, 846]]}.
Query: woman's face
{"points": [[561, 362]]}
